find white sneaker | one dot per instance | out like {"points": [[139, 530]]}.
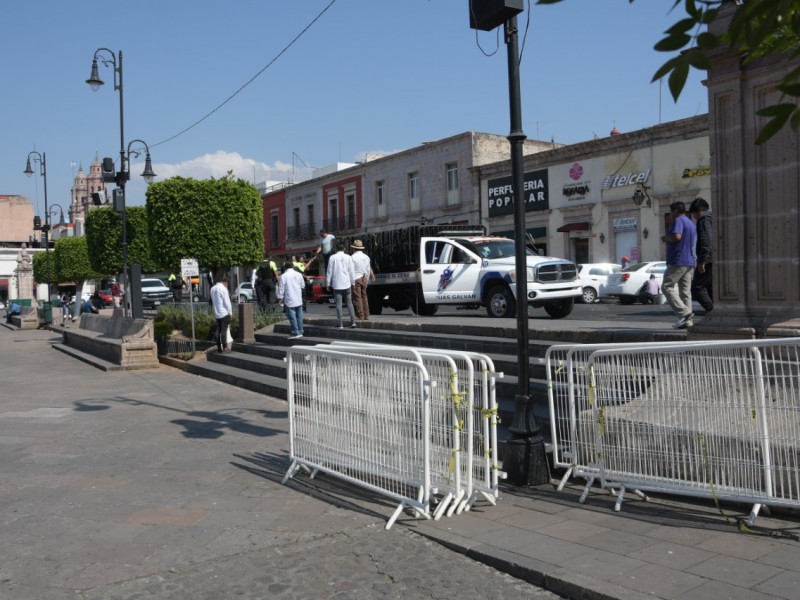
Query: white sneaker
{"points": [[295, 337]]}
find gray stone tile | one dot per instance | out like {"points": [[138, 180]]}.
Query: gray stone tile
{"points": [[669, 554], [660, 582], [531, 520], [621, 542], [736, 571], [732, 544], [785, 557], [713, 590], [573, 531], [604, 565], [783, 585]]}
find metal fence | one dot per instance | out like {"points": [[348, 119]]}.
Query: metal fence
{"points": [[468, 392], [363, 419], [568, 396], [460, 438], [718, 420]]}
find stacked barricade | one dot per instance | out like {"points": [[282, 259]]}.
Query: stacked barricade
{"points": [[470, 391], [719, 420], [350, 427]]}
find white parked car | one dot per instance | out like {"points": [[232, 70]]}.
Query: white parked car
{"points": [[626, 283], [244, 293], [593, 278]]}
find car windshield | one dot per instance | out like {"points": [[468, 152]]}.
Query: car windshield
{"points": [[499, 248], [151, 283]]}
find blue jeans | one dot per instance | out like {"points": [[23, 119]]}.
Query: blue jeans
{"points": [[295, 316]]}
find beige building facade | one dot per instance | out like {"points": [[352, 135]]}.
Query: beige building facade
{"points": [[600, 200]]}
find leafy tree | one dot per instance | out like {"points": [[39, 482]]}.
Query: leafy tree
{"points": [[40, 268], [220, 222], [758, 29], [104, 239], [72, 263]]}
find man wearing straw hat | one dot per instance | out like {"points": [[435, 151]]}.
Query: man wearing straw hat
{"points": [[364, 275]]}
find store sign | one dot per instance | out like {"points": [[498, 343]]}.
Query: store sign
{"points": [[626, 224], [617, 180], [698, 172], [501, 194]]}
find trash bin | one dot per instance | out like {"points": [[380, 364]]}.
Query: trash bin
{"points": [[47, 312]]}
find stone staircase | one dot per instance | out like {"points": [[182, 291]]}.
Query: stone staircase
{"points": [[260, 367]]}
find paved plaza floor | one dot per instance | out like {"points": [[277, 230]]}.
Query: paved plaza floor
{"points": [[159, 484]]}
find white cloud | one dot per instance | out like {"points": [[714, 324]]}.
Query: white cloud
{"points": [[219, 163]]}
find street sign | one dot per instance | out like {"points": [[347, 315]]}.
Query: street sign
{"points": [[189, 267]]}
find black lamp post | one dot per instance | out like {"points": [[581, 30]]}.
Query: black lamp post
{"points": [[107, 57], [525, 460], [41, 159], [52, 211]]}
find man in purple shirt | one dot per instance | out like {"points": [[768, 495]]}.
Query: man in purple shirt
{"points": [[681, 261]]}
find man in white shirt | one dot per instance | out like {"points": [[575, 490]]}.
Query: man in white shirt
{"points": [[326, 247], [340, 277], [290, 295], [221, 303], [364, 275]]}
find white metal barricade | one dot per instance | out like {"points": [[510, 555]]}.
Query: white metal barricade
{"points": [[712, 419], [364, 419], [568, 396], [470, 393]]}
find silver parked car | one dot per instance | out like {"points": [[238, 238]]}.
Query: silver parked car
{"points": [[593, 278], [244, 293]]}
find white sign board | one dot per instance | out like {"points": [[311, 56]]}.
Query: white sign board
{"points": [[189, 267]]}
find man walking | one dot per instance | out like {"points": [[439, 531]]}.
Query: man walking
{"points": [[677, 284], [270, 277], [702, 289], [340, 277], [290, 294], [363, 274], [221, 303]]}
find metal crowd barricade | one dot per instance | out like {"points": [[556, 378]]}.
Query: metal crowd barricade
{"points": [[363, 419], [567, 395], [470, 392], [718, 420]]}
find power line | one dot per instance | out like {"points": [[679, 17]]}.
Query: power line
{"points": [[249, 81]]}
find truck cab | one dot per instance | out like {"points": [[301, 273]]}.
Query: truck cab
{"points": [[481, 270]]}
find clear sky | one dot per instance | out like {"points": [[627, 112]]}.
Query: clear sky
{"points": [[368, 76]]}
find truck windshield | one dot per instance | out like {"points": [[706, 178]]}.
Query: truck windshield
{"points": [[497, 248]]}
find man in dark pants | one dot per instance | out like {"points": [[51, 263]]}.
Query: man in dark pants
{"points": [[221, 303], [702, 289]]}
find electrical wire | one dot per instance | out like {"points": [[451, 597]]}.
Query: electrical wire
{"points": [[249, 81]]}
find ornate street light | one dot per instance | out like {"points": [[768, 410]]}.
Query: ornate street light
{"points": [[107, 57], [42, 160]]}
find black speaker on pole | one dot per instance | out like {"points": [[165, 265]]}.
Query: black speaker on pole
{"points": [[490, 14]]}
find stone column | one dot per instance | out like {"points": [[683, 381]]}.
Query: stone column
{"points": [[755, 201], [25, 274], [246, 333]]}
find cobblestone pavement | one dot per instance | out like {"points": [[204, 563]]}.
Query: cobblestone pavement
{"points": [[158, 484], [361, 565]]}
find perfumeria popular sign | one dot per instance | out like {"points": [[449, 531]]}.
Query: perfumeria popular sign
{"points": [[501, 194]]}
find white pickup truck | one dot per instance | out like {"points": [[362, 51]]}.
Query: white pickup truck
{"points": [[473, 271]]}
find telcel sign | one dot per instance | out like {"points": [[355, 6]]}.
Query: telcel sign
{"points": [[501, 194]]}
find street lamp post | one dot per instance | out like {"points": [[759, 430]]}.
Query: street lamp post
{"points": [[42, 160], [107, 57]]}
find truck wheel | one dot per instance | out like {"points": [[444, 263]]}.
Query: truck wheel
{"points": [[425, 310], [500, 302], [560, 308], [375, 304]]}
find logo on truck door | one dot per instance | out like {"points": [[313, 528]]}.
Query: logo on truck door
{"points": [[445, 279]]}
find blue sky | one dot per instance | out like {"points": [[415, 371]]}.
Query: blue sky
{"points": [[369, 76]]}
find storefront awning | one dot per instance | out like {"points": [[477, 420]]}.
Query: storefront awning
{"points": [[582, 226]]}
